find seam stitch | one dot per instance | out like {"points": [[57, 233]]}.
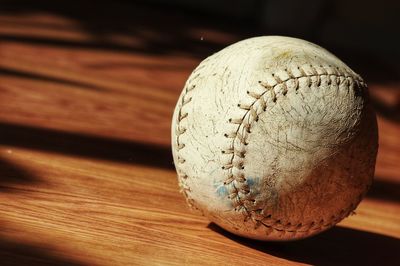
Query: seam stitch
{"points": [[239, 191], [180, 130]]}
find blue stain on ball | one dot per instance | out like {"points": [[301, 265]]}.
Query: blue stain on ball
{"points": [[222, 191], [250, 181], [253, 183]]}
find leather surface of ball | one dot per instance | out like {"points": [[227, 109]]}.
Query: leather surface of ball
{"points": [[274, 138]]}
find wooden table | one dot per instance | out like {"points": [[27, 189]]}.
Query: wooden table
{"points": [[86, 174]]}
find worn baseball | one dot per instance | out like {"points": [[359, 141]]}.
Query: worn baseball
{"points": [[274, 138]]}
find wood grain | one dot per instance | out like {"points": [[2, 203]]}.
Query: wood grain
{"points": [[86, 174]]}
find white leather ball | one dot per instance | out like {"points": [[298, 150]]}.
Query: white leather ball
{"points": [[274, 138]]}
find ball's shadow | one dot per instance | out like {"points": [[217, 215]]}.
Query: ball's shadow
{"points": [[337, 246]]}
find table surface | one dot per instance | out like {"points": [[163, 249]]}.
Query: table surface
{"points": [[86, 173]]}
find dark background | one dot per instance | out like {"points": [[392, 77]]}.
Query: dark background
{"points": [[364, 33]]}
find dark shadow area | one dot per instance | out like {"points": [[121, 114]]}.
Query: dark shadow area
{"points": [[38, 77], [369, 66], [384, 190], [85, 146], [114, 150], [160, 28], [13, 174], [135, 65], [21, 254], [389, 111], [337, 246]]}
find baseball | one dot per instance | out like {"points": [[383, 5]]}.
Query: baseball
{"points": [[274, 138]]}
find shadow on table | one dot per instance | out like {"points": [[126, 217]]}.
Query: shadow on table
{"points": [[384, 190], [13, 174], [39, 77], [337, 246], [77, 144], [15, 253], [128, 26], [386, 110], [123, 151]]}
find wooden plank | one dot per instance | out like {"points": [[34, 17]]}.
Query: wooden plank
{"points": [[107, 213]]}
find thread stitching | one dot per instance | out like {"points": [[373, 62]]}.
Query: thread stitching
{"points": [[239, 191], [180, 130]]}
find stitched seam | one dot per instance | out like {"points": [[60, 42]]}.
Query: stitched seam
{"points": [[236, 184], [181, 130]]}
